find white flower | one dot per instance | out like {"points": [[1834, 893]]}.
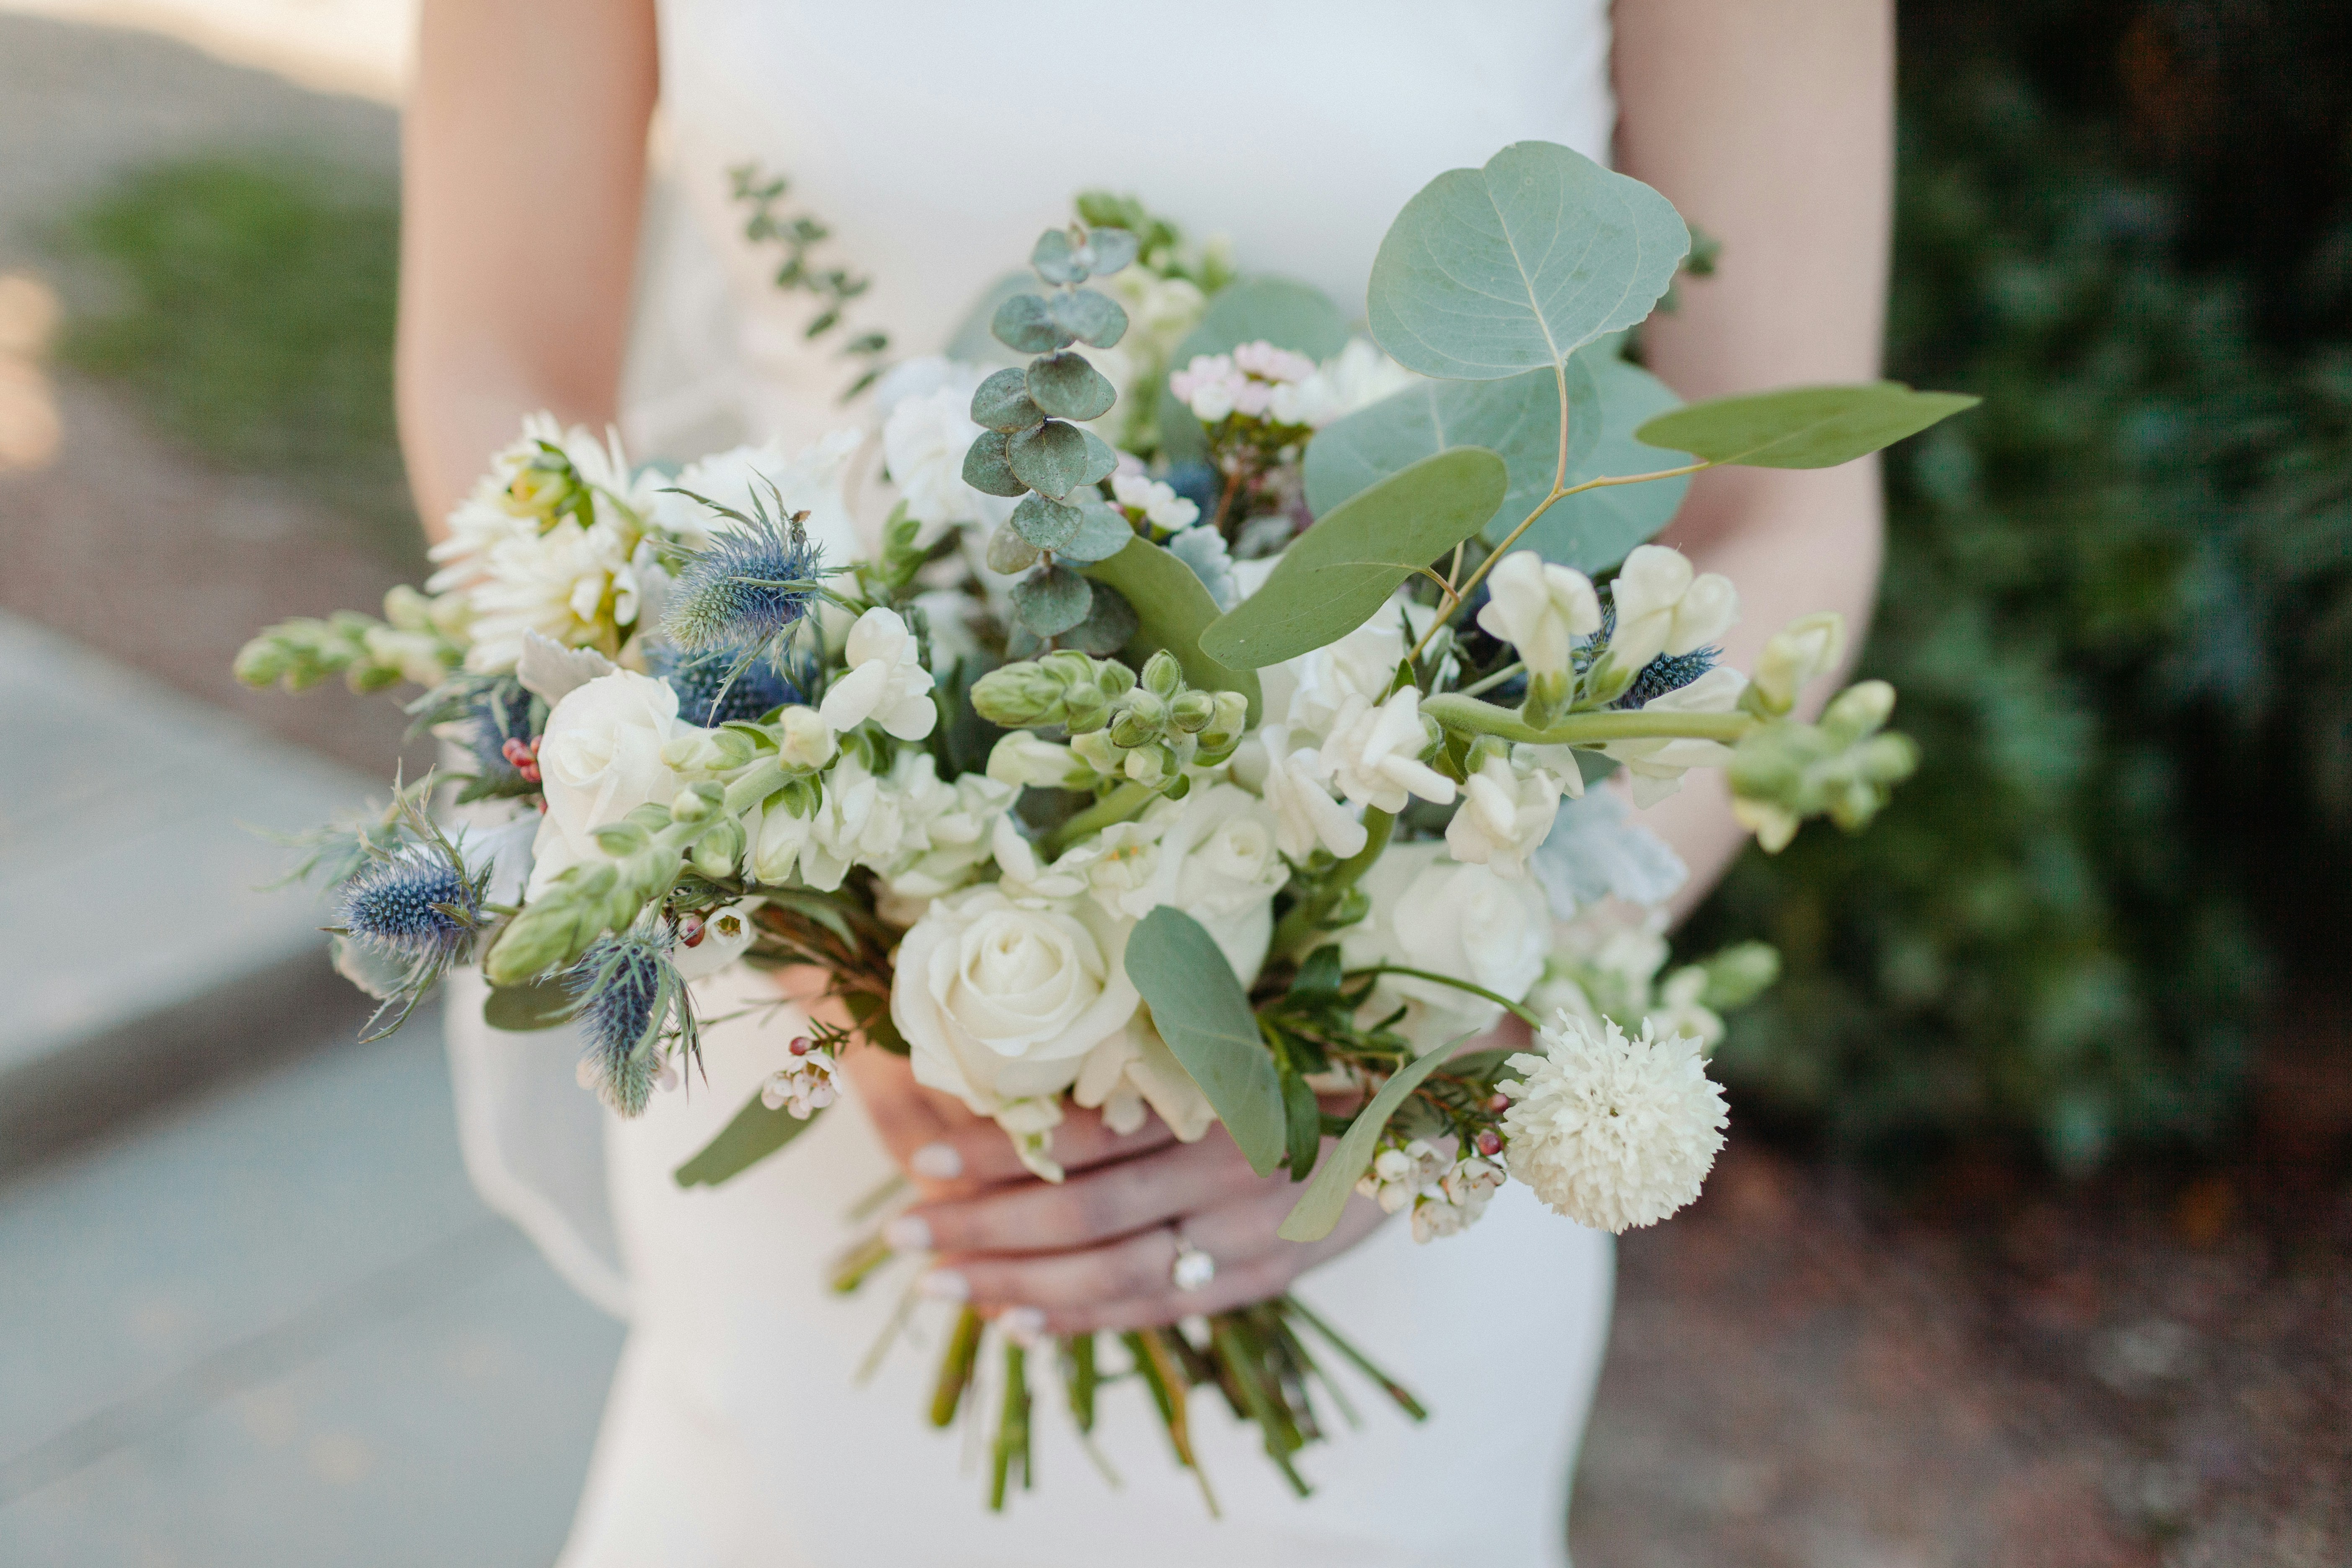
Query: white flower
{"points": [[1662, 607], [946, 829], [770, 477], [777, 843], [1022, 758], [1610, 1131], [1358, 376], [1504, 816], [1307, 692], [805, 740], [1399, 1174], [1000, 1001], [1682, 1009], [1304, 813], [1435, 913], [1373, 754], [1655, 767], [806, 1085], [926, 431], [726, 933], [1798, 654], [1459, 1199], [1153, 501], [886, 680], [574, 585], [858, 823], [1539, 609], [1134, 1069], [600, 758]]}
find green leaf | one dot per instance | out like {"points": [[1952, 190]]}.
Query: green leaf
{"points": [[985, 470], [1091, 316], [1517, 419], [1024, 322], [1201, 1010], [1172, 609], [1596, 530], [1320, 1206], [1489, 272], [754, 1134], [1303, 1125], [1054, 258], [1115, 250], [1801, 427], [975, 342], [1051, 600], [1047, 524], [1338, 574], [1280, 310], [1068, 387], [519, 1009], [1102, 532], [1102, 458], [1052, 459], [1109, 625], [1001, 402]]}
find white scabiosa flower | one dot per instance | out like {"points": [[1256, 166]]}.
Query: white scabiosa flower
{"points": [[1610, 1131], [1373, 754], [886, 680], [1505, 816], [1665, 605]]}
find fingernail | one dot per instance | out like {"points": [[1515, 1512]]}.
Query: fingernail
{"points": [[945, 1285], [939, 1161], [1024, 1326], [908, 1233]]}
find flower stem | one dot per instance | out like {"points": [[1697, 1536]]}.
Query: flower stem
{"points": [[1457, 710], [1518, 1011], [1305, 920], [1122, 804]]}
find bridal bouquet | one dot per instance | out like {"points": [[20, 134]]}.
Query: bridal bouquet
{"points": [[1214, 732]]}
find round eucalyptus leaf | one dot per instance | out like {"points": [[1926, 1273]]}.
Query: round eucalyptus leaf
{"points": [[1047, 524], [1001, 402], [1093, 318], [1109, 622], [1028, 324], [1056, 259], [1280, 310], [1066, 386], [1101, 459], [1051, 600], [1009, 552], [1051, 459], [1115, 250], [985, 468], [1102, 532]]}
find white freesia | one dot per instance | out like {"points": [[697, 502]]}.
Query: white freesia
{"points": [[1505, 815], [1433, 912], [600, 758], [1305, 816], [1655, 767], [884, 682], [1610, 1130], [1663, 605], [1797, 655], [1373, 754], [1540, 609]]}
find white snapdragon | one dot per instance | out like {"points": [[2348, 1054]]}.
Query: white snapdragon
{"points": [[1542, 610], [1305, 816], [884, 682], [1797, 655], [1153, 501], [1505, 814], [1022, 758], [1373, 754], [946, 829], [1654, 766], [1612, 1132], [858, 823], [1665, 605]]}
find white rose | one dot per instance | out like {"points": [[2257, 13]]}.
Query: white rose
{"points": [[1504, 816], [1001, 1002], [1654, 768], [1539, 609], [600, 758], [886, 680], [1435, 913], [1662, 607], [1373, 754]]}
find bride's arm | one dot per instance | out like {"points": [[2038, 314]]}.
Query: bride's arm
{"points": [[522, 176]]}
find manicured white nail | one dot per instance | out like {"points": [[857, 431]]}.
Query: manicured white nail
{"points": [[939, 1161], [1024, 1326], [945, 1285], [908, 1233]]}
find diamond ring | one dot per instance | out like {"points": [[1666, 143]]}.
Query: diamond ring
{"points": [[1193, 1268]]}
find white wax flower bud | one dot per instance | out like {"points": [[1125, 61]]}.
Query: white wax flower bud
{"points": [[1373, 754], [1798, 654], [1022, 758], [886, 680], [1539, 609], [1503, 817], [1662, 607]]}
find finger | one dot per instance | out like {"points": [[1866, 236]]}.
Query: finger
{"points": [[981, 1154], [1239, 1284], [1089, 1208], [1132, 1265]]}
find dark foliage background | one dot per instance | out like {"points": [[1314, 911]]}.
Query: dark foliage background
{"points": [[2120, 596]]}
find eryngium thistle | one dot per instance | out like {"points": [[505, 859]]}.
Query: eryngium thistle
{"points": [[1610, 1132], [1667, 672], [749, 587], [628, 993], [416, 904], [706, 693], [500, 714]]}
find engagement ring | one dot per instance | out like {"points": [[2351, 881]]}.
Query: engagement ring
{"points": [[1193, 1268]]}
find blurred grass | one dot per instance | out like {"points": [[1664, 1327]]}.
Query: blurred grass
{"points": [[247, 309]]}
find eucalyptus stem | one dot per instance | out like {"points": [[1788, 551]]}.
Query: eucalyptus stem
{"points": [[1304, 920], [1458, 711], [1517, 1010], [1121, 804]]}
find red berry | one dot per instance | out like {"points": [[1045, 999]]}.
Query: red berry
{"points": [[1490, 1142], [800, 1044], [1499, 1104], [690, 931]]}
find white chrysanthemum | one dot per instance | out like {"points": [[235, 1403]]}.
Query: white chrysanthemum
{"points": [[1610, 1131]]}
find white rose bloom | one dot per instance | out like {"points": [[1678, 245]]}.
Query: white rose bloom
{"points": [[1433, 912], [886, 680], [1000, 1001], [1504, 816], [1539, 609], [1610, 1131], [1654, 768], [1304, 813], [1373, 754], [1662, 607], [599, 759]]}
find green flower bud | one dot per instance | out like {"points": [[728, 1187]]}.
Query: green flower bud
{"points": [[1068, 668], [1191, 711], [1149, 765], [1133, 729], [1163, 676], [1085, 709], [1738, 974], [1018, 695], [621, 838], [1859, 710], [1114, 678], [717, 852], [696, 802]]}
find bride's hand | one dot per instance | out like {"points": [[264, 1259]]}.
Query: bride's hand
{"points": [[950, 1151]]}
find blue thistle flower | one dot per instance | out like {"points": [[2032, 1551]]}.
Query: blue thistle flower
{"points": [[749, 587], [1667, 672], [416, 904], [628, 993], [500, 713], [723, 685]]}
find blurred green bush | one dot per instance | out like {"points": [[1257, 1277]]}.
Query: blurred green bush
{"points": [[2119, 605]]}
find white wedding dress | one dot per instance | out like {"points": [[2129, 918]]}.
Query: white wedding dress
{"points": [[937, 140]]}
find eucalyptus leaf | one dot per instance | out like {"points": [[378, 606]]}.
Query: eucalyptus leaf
{"points": [[1091, 317], [755, 1133], [1596, 530], [1068, 387], [1489, 272], [1003, 403], [1009, 552], [519, 1008], [985, 468], [1051, 459], [1051, 600], [1303, 1123], [1326, 1198], [1172, 609], [1026, 323], [1110, 622], [1115, 250], [1339, 572], [1279, 310], [1201, 1010], [1102, 532], [1047, 524], [975, 342], [1102, 458], [1801, 427], [1055, 259]]}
